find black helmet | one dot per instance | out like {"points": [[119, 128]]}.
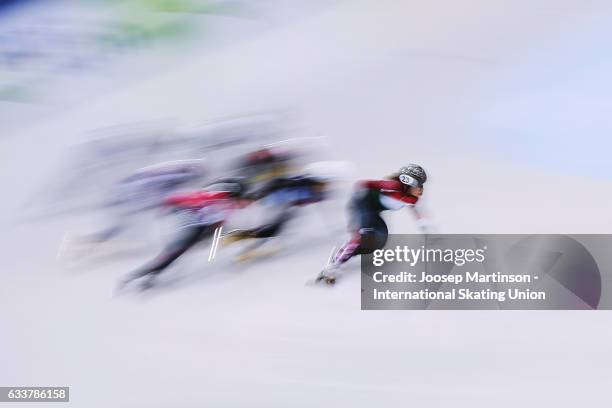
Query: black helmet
{"points": [[413, 175]]}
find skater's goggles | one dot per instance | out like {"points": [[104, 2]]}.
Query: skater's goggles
{"points": [[409, 180]]}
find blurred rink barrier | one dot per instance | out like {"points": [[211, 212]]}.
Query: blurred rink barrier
{"points": [[55, 53]]}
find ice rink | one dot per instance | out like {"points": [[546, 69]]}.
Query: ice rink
{"points": [[386, 82]]}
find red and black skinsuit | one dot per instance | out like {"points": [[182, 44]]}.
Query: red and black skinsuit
{"points": [[367, 203], [201, 213]]}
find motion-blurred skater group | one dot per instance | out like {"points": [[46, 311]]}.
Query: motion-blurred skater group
{"points": [[201, 198]]}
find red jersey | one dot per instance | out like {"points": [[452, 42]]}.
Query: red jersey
{"points": [[391, 194], [203, 207]]}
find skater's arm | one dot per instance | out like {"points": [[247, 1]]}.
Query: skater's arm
{"points": [[421, 221], [391, 185]]}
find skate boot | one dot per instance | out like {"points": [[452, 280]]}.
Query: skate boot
{"points": [[235, 236], [328, 275]]}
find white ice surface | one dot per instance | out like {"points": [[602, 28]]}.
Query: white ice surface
{"points": [[387, 82]]}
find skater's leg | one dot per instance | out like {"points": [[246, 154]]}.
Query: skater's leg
{"points": [[107, 233], [268, 230], [122, 218], [274, 227], [189, 237], [371, 235], [261, 235]]}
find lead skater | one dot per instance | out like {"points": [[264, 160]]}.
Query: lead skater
{"points": [[369, 231]]}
